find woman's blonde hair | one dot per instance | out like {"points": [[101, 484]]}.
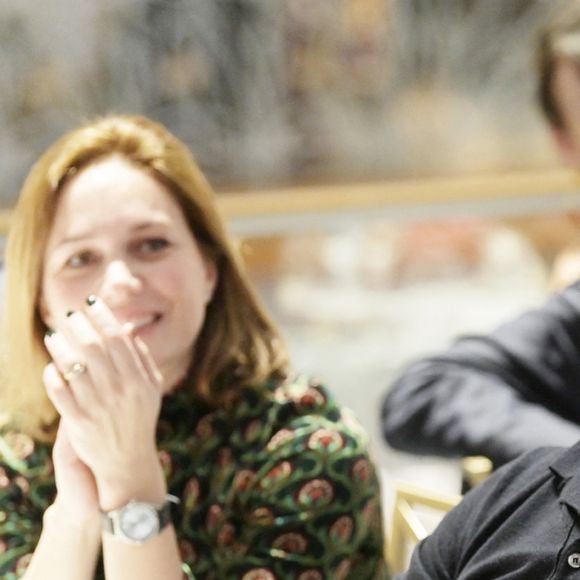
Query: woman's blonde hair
{"points": [[238, 344]]}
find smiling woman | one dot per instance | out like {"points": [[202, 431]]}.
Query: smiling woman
{"points": [[154, 428], [119, 235]]}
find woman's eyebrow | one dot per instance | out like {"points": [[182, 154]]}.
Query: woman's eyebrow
{"points": [[150, 224], [80, 236]]}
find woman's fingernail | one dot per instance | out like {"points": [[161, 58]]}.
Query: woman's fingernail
{"points": [[91, 299], [128, 327]]}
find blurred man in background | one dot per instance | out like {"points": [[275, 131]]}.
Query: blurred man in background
{"points": [[517, 388]]}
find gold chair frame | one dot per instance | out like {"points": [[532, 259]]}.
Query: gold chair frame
{"points": [[406, 525], [476, 469]]}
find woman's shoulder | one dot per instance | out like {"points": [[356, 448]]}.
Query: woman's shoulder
{"points": [[299, 395], [304, 478], [307, 395], [298, 411]]}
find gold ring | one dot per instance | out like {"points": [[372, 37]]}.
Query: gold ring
{"points": [[75, 370]]}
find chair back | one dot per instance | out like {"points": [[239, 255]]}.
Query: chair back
{"points": [[416, 513]]}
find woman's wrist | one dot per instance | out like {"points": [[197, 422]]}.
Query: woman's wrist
{"points": [[143, 482], [59, 517]]}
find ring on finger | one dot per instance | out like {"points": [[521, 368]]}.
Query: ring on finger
{"points": [[75, 370]]}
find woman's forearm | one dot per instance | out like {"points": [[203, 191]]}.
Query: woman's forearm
{"points": [[157, 558], [66, 550]]}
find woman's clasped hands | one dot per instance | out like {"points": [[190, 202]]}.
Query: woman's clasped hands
{"points": [[107, 389]]}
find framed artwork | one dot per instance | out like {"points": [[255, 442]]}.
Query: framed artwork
{"points": [[281, 92]]}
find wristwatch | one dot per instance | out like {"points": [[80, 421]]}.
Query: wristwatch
{"points": [[138, 521]]}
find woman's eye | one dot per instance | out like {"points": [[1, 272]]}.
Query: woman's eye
{"points": [[79, 260], [152, 246]]}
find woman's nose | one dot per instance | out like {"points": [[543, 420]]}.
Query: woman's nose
{"points": [[119, 282]]}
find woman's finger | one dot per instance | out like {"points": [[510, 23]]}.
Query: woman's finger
{"points": [[60, 394], [74, 368], [62, 446], [119, 344], [150, 365], [80, 331]]}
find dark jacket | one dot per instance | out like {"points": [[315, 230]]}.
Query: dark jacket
{"points": [[498, 395]]}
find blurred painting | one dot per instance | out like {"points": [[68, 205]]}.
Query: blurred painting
{"points": [[278, 92]]}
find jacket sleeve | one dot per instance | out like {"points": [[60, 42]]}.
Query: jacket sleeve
{"points": [[470, 536], [497, 395]]}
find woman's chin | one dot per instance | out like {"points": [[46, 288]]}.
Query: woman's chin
{"points": [[172, 378]]}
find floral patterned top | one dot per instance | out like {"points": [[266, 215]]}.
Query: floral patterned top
{"points": [[280, 486]]}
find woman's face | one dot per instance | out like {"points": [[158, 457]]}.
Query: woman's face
{"points": [[120, 235]]}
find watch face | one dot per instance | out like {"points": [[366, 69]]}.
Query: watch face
{"points": [[139, 521]]}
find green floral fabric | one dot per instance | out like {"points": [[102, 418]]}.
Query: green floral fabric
{"points": [[279, 486]]}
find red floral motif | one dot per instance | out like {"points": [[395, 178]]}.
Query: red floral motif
{"points": [[22, 483], [279, 438], [259, 574], [316, 493], [362, 470], [311, 399], [291, 543], [214, 516], [310, 575], [304, 396], [343, 570], [227, 534], [187, 551], [205, 428], [370, 509], [243, 479], [191, 493], [166, 463], [263, 516], [23, 563], [253, 430], [225, 457], [22, 445], [239, 549], [341, 530], [326, 439], [4, 479], [276, 474]]}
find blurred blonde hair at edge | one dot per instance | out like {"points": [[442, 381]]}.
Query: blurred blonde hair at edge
{"points": [[238, 345]]}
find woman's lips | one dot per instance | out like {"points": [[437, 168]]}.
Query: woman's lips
{"points": [[140, 324]]}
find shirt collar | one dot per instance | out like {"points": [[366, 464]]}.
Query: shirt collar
{"points": [[566, 472]]}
